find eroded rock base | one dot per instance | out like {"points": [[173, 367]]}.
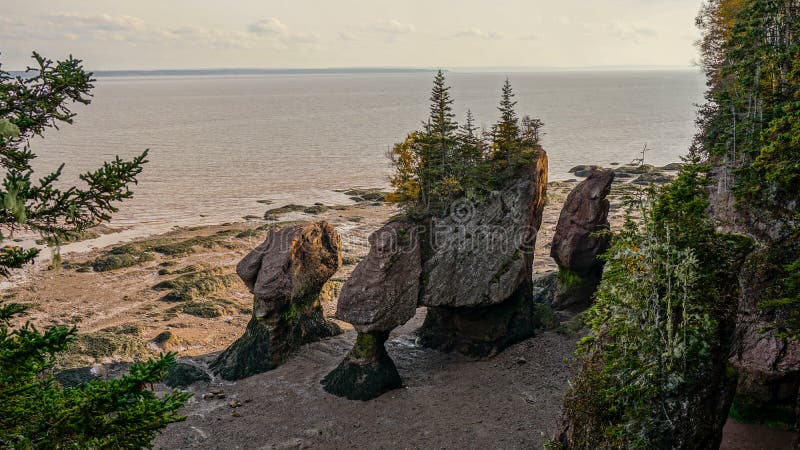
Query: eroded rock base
{"points": [[483, 331], [575, 290], [366, 372], [267, 342]]}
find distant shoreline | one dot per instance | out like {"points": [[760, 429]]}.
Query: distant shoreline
{"points": [[369, 70]]}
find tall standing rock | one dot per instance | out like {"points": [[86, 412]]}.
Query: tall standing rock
{"points": [[577, 245], [379, 296], [477, 268], [285, 274]]}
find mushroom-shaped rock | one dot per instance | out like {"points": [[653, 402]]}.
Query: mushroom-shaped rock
{"points": [[578, 241], [379, 296], [285, 274]]}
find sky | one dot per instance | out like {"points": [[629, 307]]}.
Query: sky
{"points": [[195, 34]]}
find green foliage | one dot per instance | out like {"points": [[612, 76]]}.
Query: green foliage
{"points": [[568, 279], [751, 410], [443, 161], [656, 324], [28, 106], [751, 123], [35, 412]]}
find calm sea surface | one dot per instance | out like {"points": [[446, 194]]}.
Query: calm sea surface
{"points": [[220, 143]]}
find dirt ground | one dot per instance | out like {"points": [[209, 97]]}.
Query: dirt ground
{"points": [[510, 401]]}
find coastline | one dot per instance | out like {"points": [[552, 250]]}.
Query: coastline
{"points": [[123, 316]]}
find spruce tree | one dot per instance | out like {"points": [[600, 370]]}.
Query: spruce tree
{"points": [[441, 141], [35, 412], [506, 131]]}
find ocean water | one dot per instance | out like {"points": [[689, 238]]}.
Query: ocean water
{"points": [[220, 143]]}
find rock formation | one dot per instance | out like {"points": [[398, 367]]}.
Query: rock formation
{"points": [[472, 269], [285, 274], [767, 364], [379, 296], [477, 269], [576, 244]]}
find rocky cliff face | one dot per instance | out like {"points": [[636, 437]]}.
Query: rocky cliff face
{"points": [[285, 274], [472, 268], [768, 365]]}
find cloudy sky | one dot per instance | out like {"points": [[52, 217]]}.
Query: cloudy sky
{"points": [[177, 34]]}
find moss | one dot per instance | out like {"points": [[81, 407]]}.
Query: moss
{"points": [[135, 253], [249, 233], [749, 409], [317, 208], [86, 349], [350, 260], [366, 346], [366, 372], [194, 285], [188, 269], [366, 195], [545, 316], [272, 214], [167, 340], [114, 261], [568, 280]]}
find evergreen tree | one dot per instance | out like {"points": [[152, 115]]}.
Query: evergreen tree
{"points": [[443, 161], [749, 128], [35, 412], [441, 141], [505, 132], [531, 131], [469, 141]]}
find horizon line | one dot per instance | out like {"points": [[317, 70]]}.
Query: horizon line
{"points": [[375, 69]]}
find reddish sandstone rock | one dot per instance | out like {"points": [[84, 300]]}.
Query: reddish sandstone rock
{"points": [[285, 274], [381, 294], [576, 244]]}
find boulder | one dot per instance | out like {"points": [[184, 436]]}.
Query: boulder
{"points": [[652, 178], [184, 374], [381, 294], [583, 170], [576, 245], [366, 372], [285, 274], [476, 273], [291, 264]]}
